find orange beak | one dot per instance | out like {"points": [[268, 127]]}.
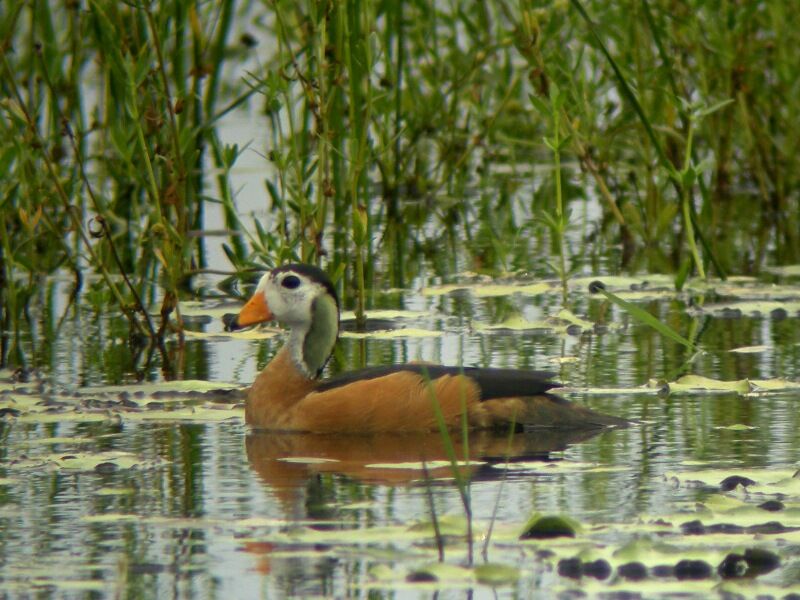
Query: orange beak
{"points": [[255, 311]]}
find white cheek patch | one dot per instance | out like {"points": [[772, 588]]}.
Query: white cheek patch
{"points": [[291, 306]]}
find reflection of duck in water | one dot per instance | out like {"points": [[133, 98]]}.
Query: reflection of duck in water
{"points": [[288, 396], [288, 461]]}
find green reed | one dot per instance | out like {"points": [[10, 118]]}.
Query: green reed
{"points": [[387, 128], [116, 177]]}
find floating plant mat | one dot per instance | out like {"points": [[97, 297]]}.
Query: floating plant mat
{"points": [[387, 314], [103, 462], [659, 550], [390, 334], [179, 401], [254, 333], [658, 555], [563, 323], [751, 296], [765, 308], [700, 384], [784, 270]]}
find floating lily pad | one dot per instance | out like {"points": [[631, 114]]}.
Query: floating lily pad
{"points": [[496, 574], [87, 461], [52, 441], [115, 491], [557, 466], [529, 289], [257, 333], [418, 466], [541, 527], [66, 416], [774, 385], [752, 307], [647, 295], [390, 334], [751, 349], [441, 572], [487, 290], [766, 480], [650, 388], [387, 314], [307, 460], [563, 360], [192, 308], [449, 524], [756, 291], [209, 413], [520, 323], [620, 283], [177, 386], [698, 383], [784, 270], [573, 319]]}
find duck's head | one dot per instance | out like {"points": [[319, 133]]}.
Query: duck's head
{"points": [[302, 298]]}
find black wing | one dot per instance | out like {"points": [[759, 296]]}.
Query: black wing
{"points": [[494, 383]]}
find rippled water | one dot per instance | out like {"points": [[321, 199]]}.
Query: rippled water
{"points": [[205, 508]]}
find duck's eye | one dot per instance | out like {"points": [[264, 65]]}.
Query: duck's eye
{"points": [[290, 282]]}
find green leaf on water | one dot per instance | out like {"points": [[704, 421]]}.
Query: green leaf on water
{"points": [[642, 315], [108, 491], [210, 413], [449, 524], [698, 383], [496, 574], [387, 314], [784, 270], [774, 385], [419, 466], [87, 461], [391, 334], [789, 308], [750, 349], [255, 333], [178, 386], [488, 290], [654, 282], [573, 319], [52, 441], [549, 526], [519, 323], [443, 573]]}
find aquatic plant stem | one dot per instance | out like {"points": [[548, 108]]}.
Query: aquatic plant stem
{"points": [[562, 264], [488, 538], [437, 532], [686, 196], [181, 179], [76, 222], [102, 217]]}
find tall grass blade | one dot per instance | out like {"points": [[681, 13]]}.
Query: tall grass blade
{"points": [[597, 287]]}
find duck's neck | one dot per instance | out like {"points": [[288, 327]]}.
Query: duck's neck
{"points": [[311, 343]]}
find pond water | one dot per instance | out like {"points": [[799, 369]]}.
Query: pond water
{"points": [[110, 488]]}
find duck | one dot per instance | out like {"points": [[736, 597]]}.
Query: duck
{"points": [[290, 394]]}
